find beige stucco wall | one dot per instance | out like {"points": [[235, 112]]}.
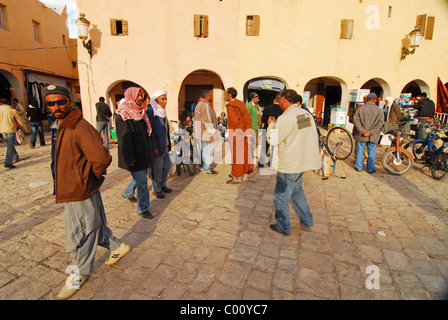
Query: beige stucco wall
{"points": [[299, 41], [18, 34]]}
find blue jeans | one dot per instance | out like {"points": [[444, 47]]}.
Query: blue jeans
{"points": [[11, 153], [287, 187], [139, 182], [206, 156], [35, 128], [371, 150], [104, 126]]}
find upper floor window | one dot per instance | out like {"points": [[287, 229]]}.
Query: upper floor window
{"points": [[426, 25], [347, 29], [252, 25], [119, 27], [200, 26], [3, 17], [36, 31]]}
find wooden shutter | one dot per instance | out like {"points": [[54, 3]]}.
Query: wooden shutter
{"points": [[197, 31], [346, 29], [205, 26], [430, 28], [252, 25], [421, 22], [124, 26], [113, 26]]}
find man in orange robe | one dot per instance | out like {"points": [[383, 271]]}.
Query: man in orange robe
{"points": [[239, 124]]}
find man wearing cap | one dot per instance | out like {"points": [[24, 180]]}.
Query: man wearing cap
{"points": [[368, 121], [80, 163]]}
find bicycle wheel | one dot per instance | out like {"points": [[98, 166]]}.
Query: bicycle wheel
{"points": [[340, 143], [396, 165], [191, 167], [418, 149], [440, 166]]}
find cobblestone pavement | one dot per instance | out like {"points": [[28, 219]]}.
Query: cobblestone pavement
{"points": [[210, 240]]}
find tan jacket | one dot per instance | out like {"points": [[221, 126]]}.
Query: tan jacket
{"points": [[205, 122], [298, 148], [9, 118]]}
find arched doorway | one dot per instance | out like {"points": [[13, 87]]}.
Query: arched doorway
{"points": [[10, 87], [323, 94], [265, 87], [378, 86], [116, 90], [416, 87], [191, 88]]}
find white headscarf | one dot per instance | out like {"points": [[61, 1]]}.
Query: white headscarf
{"points": [[158, 110]]}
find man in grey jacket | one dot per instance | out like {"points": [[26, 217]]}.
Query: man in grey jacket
{"points": [[368, 121]]}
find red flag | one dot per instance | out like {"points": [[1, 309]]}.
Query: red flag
{"points": [[442, 97]]}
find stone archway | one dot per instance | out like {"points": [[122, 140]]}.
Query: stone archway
{"points": [[325, 93], [416, 87], [10, 87], [266, 87], [191, 88], [379, 86]]}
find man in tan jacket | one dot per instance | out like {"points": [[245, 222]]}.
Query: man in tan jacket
{"points": [[9, 119], [295, 136], [206, 130]]}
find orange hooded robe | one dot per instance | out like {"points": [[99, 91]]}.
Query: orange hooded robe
{"points": [[239, 124]]}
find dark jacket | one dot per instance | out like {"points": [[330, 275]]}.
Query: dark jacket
{"points": [[160, 132], [34, 114], [80, 159], [273, 110], [102, 112], [425, 108], [133, 144]]}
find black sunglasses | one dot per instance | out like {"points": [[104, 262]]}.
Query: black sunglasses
{"points": [[59, 102]]}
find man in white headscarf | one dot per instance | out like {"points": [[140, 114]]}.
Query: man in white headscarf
{"points": [[161, 145]]}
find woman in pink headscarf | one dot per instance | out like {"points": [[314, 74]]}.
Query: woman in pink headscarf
{"points": [[133, 131]]}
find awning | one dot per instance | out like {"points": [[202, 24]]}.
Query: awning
{"points": [[38, 78], [267, 84]]}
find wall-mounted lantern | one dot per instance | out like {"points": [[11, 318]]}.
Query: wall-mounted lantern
{"points": [[82, 26]]}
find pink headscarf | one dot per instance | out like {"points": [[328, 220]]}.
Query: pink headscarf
{"points": [[128, 109]]}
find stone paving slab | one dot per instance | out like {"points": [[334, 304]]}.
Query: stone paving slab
{"points": [[211, 241]]}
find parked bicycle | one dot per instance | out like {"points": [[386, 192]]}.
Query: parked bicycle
{"points": [[397, 160], [337, 144], [182, 152], [439, 161]]}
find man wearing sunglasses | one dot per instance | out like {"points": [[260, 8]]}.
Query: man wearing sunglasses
{"points": [[80, 163]]}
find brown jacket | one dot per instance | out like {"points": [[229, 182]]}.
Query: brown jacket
{"points": [[80, 159]]}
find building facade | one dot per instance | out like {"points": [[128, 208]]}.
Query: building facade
{"points": [[322, 49], [35, 50]]}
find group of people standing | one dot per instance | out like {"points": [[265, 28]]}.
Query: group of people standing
{"points": [[81, 159]]}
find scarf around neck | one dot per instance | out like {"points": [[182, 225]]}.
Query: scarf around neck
{"points": [[128, 109]]}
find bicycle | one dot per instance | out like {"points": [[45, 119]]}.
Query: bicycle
{"points": [[422, 148], [181, 154], [439, 161], [397, 160], [338, 144]]}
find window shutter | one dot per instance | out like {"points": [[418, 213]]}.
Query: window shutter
{"points": [[113, 26], [205, 26], [256, 26], [346, 29], [421, 22], [430, 28], [252, 25], [124, 25], [197, 31]]}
